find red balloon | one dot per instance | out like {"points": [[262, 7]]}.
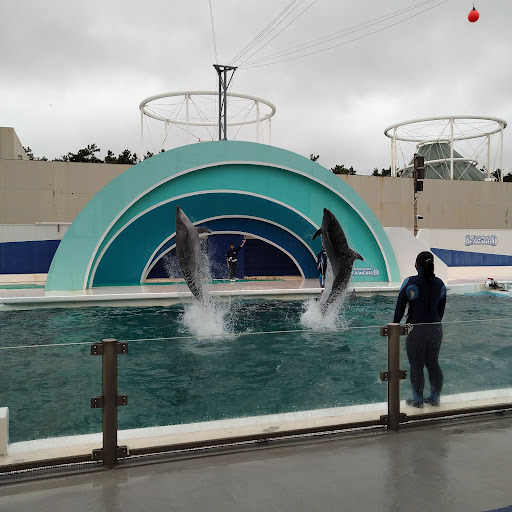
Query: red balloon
{"points": [[473, 16]]}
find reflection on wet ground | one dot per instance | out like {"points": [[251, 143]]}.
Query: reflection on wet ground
{"points": [[449, 466]]}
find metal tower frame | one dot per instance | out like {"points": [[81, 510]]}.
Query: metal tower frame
{"points": [[223, 71]]}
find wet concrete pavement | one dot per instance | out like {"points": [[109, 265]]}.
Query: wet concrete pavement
{"points": [[447, 466]]}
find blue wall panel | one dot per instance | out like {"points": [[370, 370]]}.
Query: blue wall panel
{"points": [[257, 258], [472, 259], [262, 259], [33, 257]]}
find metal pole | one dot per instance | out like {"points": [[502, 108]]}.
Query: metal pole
{"points": [[415, 212], [187, 96], [393, 154], [393, 375], [451, 149], [257, 103], [394, 378], [225, 104], [141, 135], [109, 377], [220, 105], [393, 172], [222, 72], [488, 156], [110, 400], [501, 153]]}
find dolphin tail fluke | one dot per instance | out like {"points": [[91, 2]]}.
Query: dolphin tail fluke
{"points": [[319, 232]]}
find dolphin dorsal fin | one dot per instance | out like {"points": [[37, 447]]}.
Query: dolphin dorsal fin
{"points": [[357, 256]]}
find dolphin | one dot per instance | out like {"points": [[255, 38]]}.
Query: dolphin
{"points": [[188, 249], [340, 255]]}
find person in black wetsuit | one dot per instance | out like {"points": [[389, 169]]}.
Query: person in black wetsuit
{"points": [[426, 296], [232, 259]]}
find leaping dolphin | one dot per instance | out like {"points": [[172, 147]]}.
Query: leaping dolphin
{"points": [[340, 255], [188, 249]]}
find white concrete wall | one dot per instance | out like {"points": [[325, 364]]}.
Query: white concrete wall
{"points": [[10, 146], [31, 232], [469, 240], [406, 248]]}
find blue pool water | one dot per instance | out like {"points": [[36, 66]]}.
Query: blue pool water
{"points": [[265, 362]]}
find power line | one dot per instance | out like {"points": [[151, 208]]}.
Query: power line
{"points": [[213, 33], [341, 33], [254, 65], [283, 29], [263, 33]]}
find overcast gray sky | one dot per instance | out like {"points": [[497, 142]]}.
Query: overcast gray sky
{"points": [[74, 73]]}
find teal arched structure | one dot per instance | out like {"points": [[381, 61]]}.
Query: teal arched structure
{"points": [[230, 187]]}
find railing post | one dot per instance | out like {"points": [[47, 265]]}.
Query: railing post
{"points": [[393, 375], [109, 401]]}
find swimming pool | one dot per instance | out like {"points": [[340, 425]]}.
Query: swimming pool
{"points": [[265, 361]]}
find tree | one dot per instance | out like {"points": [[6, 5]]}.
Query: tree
{"points": [[86, 155], [314, 157], [126, 157], [31, 156], [110, 158], [341, 169], [29, 153], [385, 172], [506, 177]]}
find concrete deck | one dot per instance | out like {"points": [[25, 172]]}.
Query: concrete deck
{"points": [[449, 466], [463, 280], [168, 294]]}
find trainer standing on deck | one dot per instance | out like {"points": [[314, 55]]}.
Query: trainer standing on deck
{"points": [[426, 296], [232, 259]]}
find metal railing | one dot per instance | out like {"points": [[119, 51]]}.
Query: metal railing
{"points": [[111, 453]]}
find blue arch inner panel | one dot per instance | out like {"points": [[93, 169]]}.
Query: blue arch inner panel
{"points": [[261, 183], [258, 258], [262, 259], [122, 265]]}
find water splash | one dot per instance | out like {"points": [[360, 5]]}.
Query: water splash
{"points": [[312, 317], [207, 319], [171, 266]]}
